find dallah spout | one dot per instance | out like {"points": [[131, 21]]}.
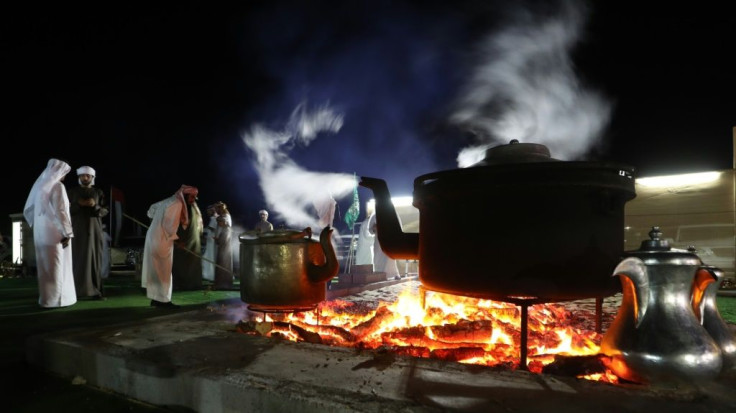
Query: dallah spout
{"points": [[321, 273]]}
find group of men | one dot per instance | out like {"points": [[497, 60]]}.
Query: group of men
{"points": [[70, 242], [67, 271], [57, 217]]}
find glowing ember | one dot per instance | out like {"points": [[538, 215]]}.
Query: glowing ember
{"points": [[448, 327]]}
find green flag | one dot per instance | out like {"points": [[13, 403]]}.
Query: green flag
{"points": [[352, 215]]}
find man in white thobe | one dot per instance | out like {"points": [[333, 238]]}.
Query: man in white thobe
{"points": [[364, 250], [208, 263], [47, 212], [158, 251], [381, 261]]}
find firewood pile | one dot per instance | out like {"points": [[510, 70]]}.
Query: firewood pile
{"points": [[474, 332]]}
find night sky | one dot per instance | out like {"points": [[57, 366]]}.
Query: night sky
{"points": [[163, 93]]}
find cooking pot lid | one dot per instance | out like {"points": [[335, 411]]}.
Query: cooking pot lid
{"points": [[656, 250], [278, 236], [516, 152]]}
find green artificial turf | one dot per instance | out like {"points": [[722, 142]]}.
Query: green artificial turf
{"points": [[727, 308], [20, 317]]}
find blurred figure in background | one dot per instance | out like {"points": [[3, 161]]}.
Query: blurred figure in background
{"points": [[381, 261], [263, 225], [47, 212], [364, 250], [208, 266], [224, 253], [87, 207], [325, 209], [187, 268]]}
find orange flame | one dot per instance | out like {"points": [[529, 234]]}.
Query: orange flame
{"points": [[463, 329]]}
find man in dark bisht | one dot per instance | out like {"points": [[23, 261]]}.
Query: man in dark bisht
{"points": [[87, 206], [187, 266]]}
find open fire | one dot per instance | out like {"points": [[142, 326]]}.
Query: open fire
{"points": [[451, 328]]}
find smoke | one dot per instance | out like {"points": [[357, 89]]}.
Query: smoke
{"points": [[291, 191], [524, 87]]}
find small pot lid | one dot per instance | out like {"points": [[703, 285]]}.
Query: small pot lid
{"points": [[656, 250], [278, 236]]}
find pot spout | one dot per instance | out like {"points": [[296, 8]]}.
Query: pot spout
{"points": [[394, 242], [322, 273]]}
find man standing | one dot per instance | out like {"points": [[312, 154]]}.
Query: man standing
{"points": [[381, 261], [87, 207], [47, 212], [223, 237], [208, 261], [158, 251], [366, 239], [263, 225], [187, 269]]}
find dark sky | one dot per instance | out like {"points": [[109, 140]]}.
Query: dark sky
{"points": [[159, 94]]}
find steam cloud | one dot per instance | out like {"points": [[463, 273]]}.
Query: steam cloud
{"points": [[524, 87], [291, 192], [521, 85]]}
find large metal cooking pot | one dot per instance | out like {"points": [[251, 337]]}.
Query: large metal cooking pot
{"points": [[285, 270], [519, 224]]}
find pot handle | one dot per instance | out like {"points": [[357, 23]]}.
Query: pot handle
{"points": [[306, 232], [705, 276], [635, 286]]}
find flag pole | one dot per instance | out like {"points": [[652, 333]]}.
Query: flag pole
{"points": [[350, 218], [351, 251]]}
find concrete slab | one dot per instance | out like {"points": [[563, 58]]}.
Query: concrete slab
{"points": [[197, 360]]}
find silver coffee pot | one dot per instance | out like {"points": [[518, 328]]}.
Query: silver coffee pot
{"points": [[656, 336]]}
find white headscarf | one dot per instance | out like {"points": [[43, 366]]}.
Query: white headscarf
{"points": [[39, 196], [185, 190], [86, 170]]}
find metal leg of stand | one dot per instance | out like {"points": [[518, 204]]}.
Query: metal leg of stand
{"points": [[523, 336], [598, 314]]}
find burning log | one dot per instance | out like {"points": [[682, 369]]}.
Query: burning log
{"points": [[305, 335], [465, 331], [458, 354], [269, 328], [417, 337], [250, 327], [413, 351], [338, 333], [366, 328], [574, 366]]}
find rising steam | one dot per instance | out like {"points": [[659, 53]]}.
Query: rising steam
{"points": [[524, 87], [292, 192]]}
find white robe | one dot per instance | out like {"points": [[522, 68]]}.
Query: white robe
{"points": [[208, 266], [381, 261], [47, 212], [158, 250], [364, 251]]}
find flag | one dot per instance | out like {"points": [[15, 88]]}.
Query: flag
{"points": [[352, 215]]}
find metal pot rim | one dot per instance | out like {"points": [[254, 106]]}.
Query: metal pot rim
{"points": [[277, 236]]}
